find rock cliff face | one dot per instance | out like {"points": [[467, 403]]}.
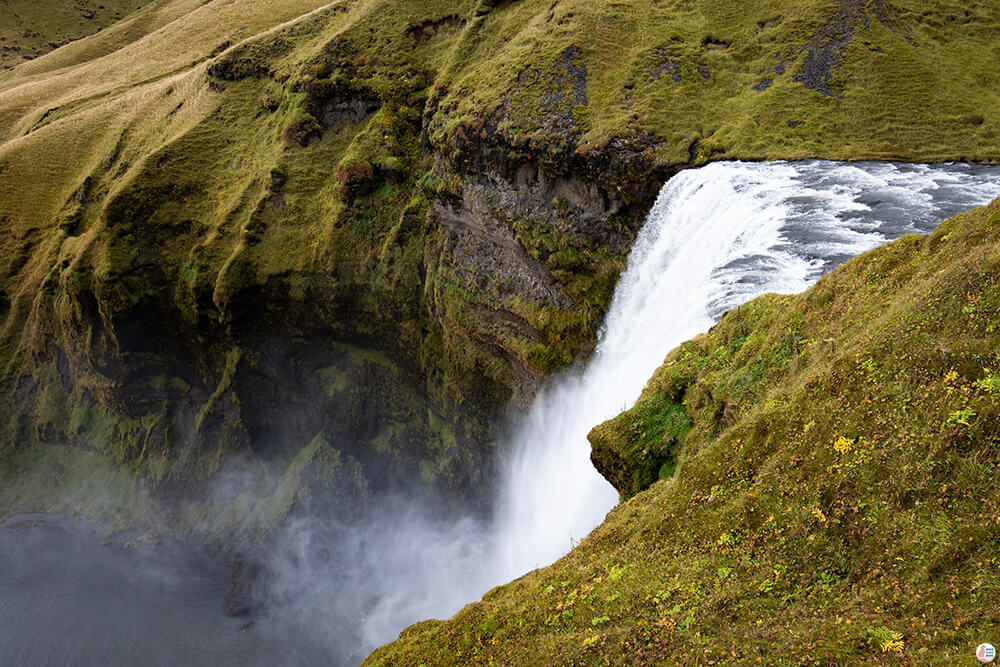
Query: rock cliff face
{"points": [[291, 279], [831, 491], [318, 247]]}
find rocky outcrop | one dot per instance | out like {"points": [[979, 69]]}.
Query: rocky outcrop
{"points": [[330, 247], [191, 340]]}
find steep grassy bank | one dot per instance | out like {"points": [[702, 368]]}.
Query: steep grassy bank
{"points": [[331, 241], [835, 491]]}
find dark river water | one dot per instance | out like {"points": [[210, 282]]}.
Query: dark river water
{"points": [[71, 596]]}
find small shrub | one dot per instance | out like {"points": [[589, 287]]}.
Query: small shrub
{"points": [[304, 130], [989, 384], [843, 445], [887, 640], [961, 417]]}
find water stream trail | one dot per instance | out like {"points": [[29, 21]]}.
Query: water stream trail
{"points": [[717, 237]]}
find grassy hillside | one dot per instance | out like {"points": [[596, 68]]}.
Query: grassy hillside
{"points": [[844, 79], [29, 29], [835, 495], [356, 230]]}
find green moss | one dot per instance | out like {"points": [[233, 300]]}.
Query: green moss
{"points": [[92, 425], [51, 407], [232, 359], [291, 180], [641, 445], [833, 482]]}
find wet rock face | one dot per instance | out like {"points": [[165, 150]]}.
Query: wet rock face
{"points": [[481, 228], [482, 244], [240, 600], [352, 348], [523, 240], [336, 111], [25, 389]]}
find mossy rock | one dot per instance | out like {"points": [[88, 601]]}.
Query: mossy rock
{"points": [[835, 482]]}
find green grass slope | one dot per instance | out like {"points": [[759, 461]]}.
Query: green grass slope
{"points": [[29, 29], [228, 227], [835, 495], [844, 79]]}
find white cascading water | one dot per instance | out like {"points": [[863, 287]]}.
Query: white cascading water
{"points": [[704, 220], [717, 237]]}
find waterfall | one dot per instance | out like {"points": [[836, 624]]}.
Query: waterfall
{"points": [[717, 237]]}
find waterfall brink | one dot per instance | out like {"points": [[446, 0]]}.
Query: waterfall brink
{"points": [[703, 222], [716, 237], [340, 586]]}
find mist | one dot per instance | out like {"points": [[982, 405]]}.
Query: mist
{"points": [[340, 579], [358, 583], [716, 238]]}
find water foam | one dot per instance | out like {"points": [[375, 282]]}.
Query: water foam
{"points": [[717, 237]]}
